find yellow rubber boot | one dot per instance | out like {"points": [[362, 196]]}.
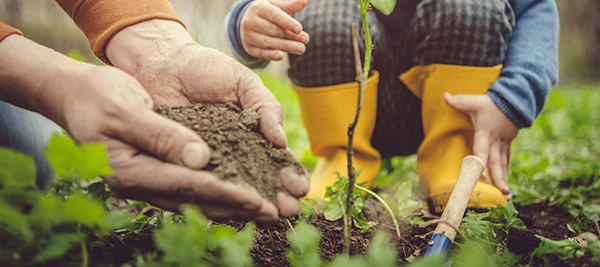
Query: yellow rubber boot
{"points": [[326, 113], [449, 133]]}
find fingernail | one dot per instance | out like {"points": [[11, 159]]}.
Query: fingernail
{"points": [[300, 48], [195, 155], [295, 183], [304, 38], [283, 134], [297, 29], [279, 56]]}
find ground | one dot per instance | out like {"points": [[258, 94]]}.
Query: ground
{"points": [[230, 125]]}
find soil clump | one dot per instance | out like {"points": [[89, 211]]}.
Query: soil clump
{"points": [[240, 154]]}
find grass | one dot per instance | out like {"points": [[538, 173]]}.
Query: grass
{"points": [[557, 160]]}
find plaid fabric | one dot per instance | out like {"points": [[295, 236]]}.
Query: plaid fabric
{"points": [[459, 32], [465, 32]]}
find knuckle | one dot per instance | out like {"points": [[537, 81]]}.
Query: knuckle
{"points": [[275, 30], [164, 140], [272, 15], [267, 43]]}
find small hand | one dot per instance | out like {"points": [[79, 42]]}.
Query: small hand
{"points": [[267, 30], [494, 133]]}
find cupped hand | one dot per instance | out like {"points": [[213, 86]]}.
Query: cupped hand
{"points": [[267, 30], [494, 133], [153, 158], [177, 71]]}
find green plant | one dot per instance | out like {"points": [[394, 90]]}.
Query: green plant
{"points": [[362, 74], [333, 209], [556, 162], [197, 242], [59, 225]]}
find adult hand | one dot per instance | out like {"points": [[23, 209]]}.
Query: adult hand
{"points": [[177, 71], [153, 158], [494, 133], [267, 30]]}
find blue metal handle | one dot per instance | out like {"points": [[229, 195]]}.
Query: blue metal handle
{"points": [[439, 245]]}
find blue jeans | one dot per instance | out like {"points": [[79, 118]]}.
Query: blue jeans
{"points": [[28, 132]]}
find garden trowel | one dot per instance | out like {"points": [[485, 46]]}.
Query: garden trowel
{"points": [[470, 171]]}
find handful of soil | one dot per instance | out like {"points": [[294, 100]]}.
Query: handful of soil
{"points": [[240, 154]]}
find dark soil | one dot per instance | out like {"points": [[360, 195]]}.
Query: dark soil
{"points": [[240, 154], [244, 156], [271, 244]]}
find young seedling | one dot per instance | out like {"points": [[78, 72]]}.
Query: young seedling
{"points": [[362, 73]]}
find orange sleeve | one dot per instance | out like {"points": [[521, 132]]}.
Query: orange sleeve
{"points": [[100, 20], [6, 30]]}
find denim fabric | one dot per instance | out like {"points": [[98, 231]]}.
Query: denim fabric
{"points": [[28, 132]]}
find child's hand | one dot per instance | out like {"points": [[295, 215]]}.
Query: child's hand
{"points": [[494, 133], [267, 30]]}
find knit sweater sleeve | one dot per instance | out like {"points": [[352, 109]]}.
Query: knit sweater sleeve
{"points": [[232, 29], [531, 65], [6, 30], [100, 20]]}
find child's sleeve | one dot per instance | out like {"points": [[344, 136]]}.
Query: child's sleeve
{"points": [[231, 27], [100, 20], [531, 65]]}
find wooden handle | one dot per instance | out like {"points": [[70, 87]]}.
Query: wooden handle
{"points": [[470, 171]]}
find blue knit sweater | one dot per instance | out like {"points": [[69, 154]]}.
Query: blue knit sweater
{"points": [[530, 67]]}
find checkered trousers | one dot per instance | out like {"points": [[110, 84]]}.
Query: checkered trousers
{"points": [[458, 32]]}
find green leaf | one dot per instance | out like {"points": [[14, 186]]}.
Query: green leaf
{"points": [[582, 224], [307, 209], [385, 6], [381, 252], [594, 246], [67, 159], [94, 161], [62, 153], [16, 168], [565, 249], [510, 213], [510, 258], [184, 245], [305, 246], [321, 202], [236, 249], [332, 211], [406, 205], [83, 210], [361, 222], [475, 225], [592, 211], [117, 219], [58, 245], [359, 202]]}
